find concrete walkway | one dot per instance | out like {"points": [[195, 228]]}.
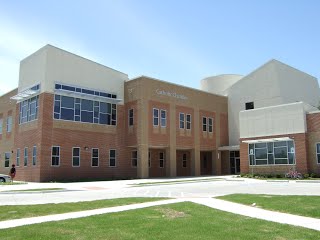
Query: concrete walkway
{"points": [[254, 212], [306, 222]]}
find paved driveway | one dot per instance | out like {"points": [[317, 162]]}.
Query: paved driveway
{"points": [[199, 187]]}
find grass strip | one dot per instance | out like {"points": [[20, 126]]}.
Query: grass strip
{"points": [[181, 221], [24, 211], [299, 205]]}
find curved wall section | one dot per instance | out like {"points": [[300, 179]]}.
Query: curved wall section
{"points": [[219, 84]]}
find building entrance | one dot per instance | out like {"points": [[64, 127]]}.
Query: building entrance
{"points": [[234, 162]]}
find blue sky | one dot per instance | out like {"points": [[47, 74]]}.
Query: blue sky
{"points": [[180, 41]]}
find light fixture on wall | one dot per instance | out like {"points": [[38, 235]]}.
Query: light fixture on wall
{"points": [[86, 148]]}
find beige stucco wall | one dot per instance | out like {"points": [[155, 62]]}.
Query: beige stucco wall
{"points": [[51, 64], [272, 84], [274, 120]]}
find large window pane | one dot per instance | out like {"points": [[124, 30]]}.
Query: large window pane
{"points": [[260, 145], [86, 105], [280, 144], [281, 161], [291, 158], [67, 114], [261, 162], [86, 116], [270, 147], [280, 152], [270, 159], [67, 102], [261, 153]]}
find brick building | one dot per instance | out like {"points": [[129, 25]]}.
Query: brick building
{"points": [[73, 119]]}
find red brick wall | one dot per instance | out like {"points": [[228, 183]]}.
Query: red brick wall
{"points": [[131, 131], [207, 140], [73, 135], [224, 131], [29, 135], [300, 141], [184, 137], [313, 124], [158, 136]]}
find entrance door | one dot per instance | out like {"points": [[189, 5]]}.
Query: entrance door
{"points": [[234, 162]]}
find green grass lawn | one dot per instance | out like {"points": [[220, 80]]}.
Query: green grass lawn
{"points": [[24, 211], [300, 205], [167, 222]]}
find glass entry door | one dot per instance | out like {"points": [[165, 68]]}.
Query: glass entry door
{"points": [[234, 162]]}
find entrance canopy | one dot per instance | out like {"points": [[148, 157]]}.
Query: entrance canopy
{"points": [[229, 148], [268, 140]]}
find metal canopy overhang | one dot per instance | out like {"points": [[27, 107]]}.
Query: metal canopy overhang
{"points": [[229, 148], [267, 140], [24, 95]]}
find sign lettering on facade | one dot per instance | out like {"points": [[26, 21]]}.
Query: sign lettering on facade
{"points": [[171, 94]]}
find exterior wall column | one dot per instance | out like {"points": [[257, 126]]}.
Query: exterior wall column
{"points": [[142, 135], [171, 152], [171, 160], [216, 160], [195, 153], [195, 162]]}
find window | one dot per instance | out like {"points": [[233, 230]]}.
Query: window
{"points": [[163, 115], [188, 121], [75, 157], [83, 110], [184, 160], [161, 160], [204, 124], [1, 123], [84, 91], [272, 153], [55, 156], [155, 117], [134, 158], [210, 124], [131, 117], [149, 159], [34, 155], [112, 158], [18, 157], [29, 110], [9, 123], [249, 105], [6, 159], [318, 152], [95, 157], [181, 120], [25, 157]]}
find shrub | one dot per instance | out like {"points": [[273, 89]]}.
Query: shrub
{"points": [[279, 176], [313, 175], [306, 175]]}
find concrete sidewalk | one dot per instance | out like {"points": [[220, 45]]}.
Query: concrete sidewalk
{"points": [[254, 212], [284, 218]]}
